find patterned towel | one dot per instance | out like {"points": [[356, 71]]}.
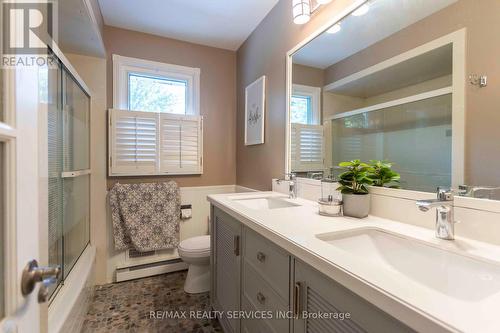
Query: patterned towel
{"points": [[145, 216]]}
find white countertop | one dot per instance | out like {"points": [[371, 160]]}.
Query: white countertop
{"points": [[416, 304]]}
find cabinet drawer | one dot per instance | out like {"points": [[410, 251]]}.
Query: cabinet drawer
{"points": [[272, 263], [254, 325], [262, 297]]}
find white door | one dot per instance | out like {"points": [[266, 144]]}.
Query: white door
{"points": [[20, 220], [21, 192]]}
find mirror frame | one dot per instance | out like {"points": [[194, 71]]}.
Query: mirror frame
{"points": [[456, 38]]}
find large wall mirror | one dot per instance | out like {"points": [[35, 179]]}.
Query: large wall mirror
{"points": [[414, 82]]}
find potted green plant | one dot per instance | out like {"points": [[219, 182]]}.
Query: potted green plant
{"points": [[354, 182], [382, 174]]}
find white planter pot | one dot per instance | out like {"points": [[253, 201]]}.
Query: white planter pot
{"points": [[356, 205]]}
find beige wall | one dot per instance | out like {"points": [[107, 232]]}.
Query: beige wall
{"points": [[308, 76], [481, 18], [93, 71], [263, 53], [218, 98]]}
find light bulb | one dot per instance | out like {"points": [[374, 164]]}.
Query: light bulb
{"points": [[334, 29], [361, 10], [323, 2]]}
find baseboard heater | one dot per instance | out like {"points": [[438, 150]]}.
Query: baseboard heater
{"points": [[151, 269]]}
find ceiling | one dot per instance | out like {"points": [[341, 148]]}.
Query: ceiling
{"points": [[384, 18], [219, 23]]}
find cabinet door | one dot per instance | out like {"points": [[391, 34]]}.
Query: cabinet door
{"points": [[315, 294], [226, 262]]}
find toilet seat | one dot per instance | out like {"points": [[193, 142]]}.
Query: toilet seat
{"points": [[196, 246]]}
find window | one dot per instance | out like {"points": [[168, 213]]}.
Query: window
{"points": [[306, 135], [156, 94], [305, 105], [301, 110], [155, 127], [143, 85]]}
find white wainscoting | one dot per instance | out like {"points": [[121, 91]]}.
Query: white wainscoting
{"points": [[195, 226]]}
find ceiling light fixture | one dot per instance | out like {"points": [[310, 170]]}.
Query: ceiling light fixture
{"points": [[361, 10], [323, 2], [334, 29], [301, 11]]}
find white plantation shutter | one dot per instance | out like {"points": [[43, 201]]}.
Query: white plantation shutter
{"points": [[306, 147], [181, 143], [150, 143], [133, 138]]}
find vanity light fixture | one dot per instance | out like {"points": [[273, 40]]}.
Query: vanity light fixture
{"points": [[301, 11], [334, 29], [361, 10]]}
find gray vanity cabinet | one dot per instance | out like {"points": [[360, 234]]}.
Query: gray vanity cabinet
{"points": [[252, 275], [226, 267], [315, 293], [265, 284]]}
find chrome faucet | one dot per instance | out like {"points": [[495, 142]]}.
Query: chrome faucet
{"points": [[292, 184], [445, 223]]}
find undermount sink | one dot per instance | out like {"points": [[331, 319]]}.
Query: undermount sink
{"points": [[265, 203], [450, 273]]}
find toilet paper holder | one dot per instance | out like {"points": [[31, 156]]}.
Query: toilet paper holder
{"points": [[186, 212]]}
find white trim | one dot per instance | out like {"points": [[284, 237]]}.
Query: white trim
{"points": [[95, 24], [124, 65], [8, 137], [57, 52], [458, 39], [396, 102], [343, 12], [315, 94]]}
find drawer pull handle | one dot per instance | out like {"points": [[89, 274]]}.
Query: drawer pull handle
{"points": [[261, 257], [236, 245], [261, 298], [296, 300]]}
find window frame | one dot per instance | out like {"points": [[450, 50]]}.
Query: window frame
{"points": [[123, 66], [314, 93]]}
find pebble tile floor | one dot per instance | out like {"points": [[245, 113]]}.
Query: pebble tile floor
{"points": [[125, 307]]}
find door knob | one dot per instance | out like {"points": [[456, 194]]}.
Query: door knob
{"points": [[33, 274]]}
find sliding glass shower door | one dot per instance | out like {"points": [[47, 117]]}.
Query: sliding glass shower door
{"points": [[76, 171], [68, 124]]}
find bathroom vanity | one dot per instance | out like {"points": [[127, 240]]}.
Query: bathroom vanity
{"points": [[279, 261]]}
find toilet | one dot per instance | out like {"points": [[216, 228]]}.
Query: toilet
{"points": [[195, 252]]}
